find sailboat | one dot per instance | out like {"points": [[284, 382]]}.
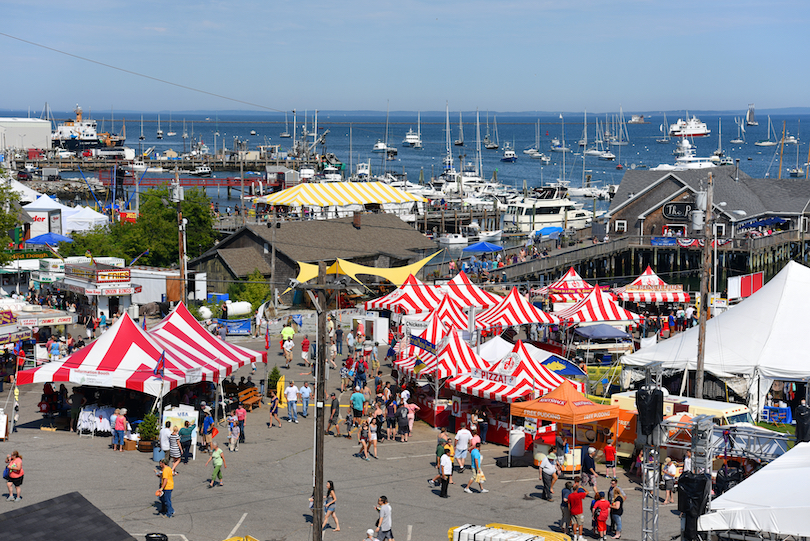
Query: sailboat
{"points": [[489, 143], [622, 137], [665, 139], [556, 145], [740, 133], [170, 133], [159, 131], [460, 141], [534, 149], [749, 116], [141, 137], [767, 142], [286, 133], [796, 172], [718, 156]]}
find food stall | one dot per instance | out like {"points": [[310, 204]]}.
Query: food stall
{"points": [[580, 421], [107, 288]]}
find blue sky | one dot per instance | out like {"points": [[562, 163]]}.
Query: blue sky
{"points": [[568, 55]]}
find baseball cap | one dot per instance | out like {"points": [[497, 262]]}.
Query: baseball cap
{"points": [[370, 531]]}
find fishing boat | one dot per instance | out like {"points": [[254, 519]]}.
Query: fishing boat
{"points": [[159, 134], [508, 154], [453, 238], [740, 139], [286, 133], [201, 171], [768, 142], [665, 139], [750, 120], [460, 141], [691, 127], [80, 134]]}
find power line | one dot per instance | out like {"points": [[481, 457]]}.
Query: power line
{"points": [[142, 75]]}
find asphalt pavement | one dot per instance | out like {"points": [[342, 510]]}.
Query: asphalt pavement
{"points": [[267, 483]]}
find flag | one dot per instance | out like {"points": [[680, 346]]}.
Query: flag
{"points": [[160, 367], [267, 337], [143, 323], [138, 257], [419, 366], [18, 347], [90, 255], [54, 252]]}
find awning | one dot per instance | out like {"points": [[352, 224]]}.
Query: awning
{"points": [[514, 309], [649, 287], [597, 306], [328, 194], [566, 404], [467, 294]]}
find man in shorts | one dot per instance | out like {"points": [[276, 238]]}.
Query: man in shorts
{"points": [[589, 475], [384, 524], [305, 350], [463, 438], [358, 399], [334, 415], [575, 499]]}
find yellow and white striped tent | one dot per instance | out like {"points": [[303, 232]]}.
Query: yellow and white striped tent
{"points": [[337, 194]]}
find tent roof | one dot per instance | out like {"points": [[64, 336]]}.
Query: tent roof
{"points": [[514, 309], [511, 378], [483, 246], [124, 357], [411, 297], [783, 511], [449, 313], [649, 279], [597, 306], [327, 194], [496, 348], [49, 238], [570, 283], [25, 193], [467, 294], [765, 332], [47, 203], [601, 331], [457, 357], [567, 405]]}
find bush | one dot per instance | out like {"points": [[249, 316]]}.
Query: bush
{"points": [[272, 379], [148, 429]]}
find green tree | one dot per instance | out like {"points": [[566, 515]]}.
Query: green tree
{"points": [[255, 290], [156, 230], [9, 219]]}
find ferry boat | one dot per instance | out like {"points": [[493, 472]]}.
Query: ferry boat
{"points": [[637, 119], [546, 206], [80, 134], [691, 127]]}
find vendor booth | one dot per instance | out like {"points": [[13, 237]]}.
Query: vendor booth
{"points": [[569, 288], [411, 297], [449, 312], [467, 294], [105, 287], [514, 309], [650, 288], [580, 421]]}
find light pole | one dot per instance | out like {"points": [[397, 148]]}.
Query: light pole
{"points": [[803, 227]]}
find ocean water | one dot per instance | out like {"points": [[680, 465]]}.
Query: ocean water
{"points": [[519, 130]]}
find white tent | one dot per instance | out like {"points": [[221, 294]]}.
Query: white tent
{"points": [[770, 501], [84, 220], [46, 203], [761, 339], [26, 194], [497, 348]]}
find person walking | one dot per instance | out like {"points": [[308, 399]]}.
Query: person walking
{"points": [[165, 444], [548, 474], [14, 480], [350, 345], [670, 473], [463, 437], [575, 500], [616, 510], [305, 351], [219, 464], [478, 473], [329, 505], [589, 475], [610, 459], [362, 439], [565, 520], [175, 453], [384, 530], [208, 429], [339, 339], [165, 489], [334, 415], [274, 408], [447, 470], [288, 350], [241, 417], [305, 392], [291, 393], [185, 439], [233, 436]]}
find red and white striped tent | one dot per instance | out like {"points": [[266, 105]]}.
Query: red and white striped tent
{"points": [[457, 357], [125, 357], [414, 358], [467, 294], [599, 305], [182, 335], [450, 313], [514, 309], [410, 298], [569, 288], [513, 377], [649, 287]]}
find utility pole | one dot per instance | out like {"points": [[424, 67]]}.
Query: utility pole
{"points": [[242, 187], [704, 288], [273, 284], [320, 398], [177, 196]]}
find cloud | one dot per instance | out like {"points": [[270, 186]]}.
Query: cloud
{"points": [[156, 29]]}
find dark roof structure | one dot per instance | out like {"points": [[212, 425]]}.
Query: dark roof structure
{"points": [[243, 261], [69, 516], [317, 240], [756, 197]]}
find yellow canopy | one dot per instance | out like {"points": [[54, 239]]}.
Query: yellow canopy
{"points": [[328, 194], [395, 275]]}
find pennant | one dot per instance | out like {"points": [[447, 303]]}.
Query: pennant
{"points": [[54, 252], [267, 337], [160, 367], [143, 323], [137, 258]]}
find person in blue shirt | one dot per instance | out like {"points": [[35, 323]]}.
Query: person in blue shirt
{"points": [[478, 473], [103, 322], [208, 426], [357, 399]]}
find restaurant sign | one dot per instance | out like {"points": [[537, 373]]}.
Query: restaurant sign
{"points": [[99, 276], [678, 211]]}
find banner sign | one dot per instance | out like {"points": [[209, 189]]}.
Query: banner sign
{"points": [[236, 326], [7, 318], [663, 241], [423, 343], [95, 378], [654, 287], [678, 211]]}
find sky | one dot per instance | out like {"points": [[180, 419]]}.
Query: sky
{"points": [[510, 55]]}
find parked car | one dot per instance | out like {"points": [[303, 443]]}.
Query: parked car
{"points": [[24, 175]]}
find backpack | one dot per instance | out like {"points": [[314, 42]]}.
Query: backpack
{"points": [[596, 512], [361, 367]]}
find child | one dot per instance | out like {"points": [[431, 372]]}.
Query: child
{"points": [[233, 435]]}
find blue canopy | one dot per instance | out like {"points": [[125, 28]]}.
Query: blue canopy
{"points": [[774, 220], [49, 238], [601, 331], [483, 246], [550, 230], [562, 366]]}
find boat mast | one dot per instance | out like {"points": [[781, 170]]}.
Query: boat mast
{"points": [[449, 159], [479, 165]]}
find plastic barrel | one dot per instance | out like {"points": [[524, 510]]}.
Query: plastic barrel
{"points": [[517, 443], [157, 452]]}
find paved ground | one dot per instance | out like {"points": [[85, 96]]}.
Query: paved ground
{"points": [[268, 483]]}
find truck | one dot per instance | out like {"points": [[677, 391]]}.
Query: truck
{"points": [[724, 413]]}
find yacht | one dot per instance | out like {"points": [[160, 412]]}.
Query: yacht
{"points": [[411, 138], [691, 127], [687, 159], [542, 157], [557, 146], [453, 238], [379, 146], [508, 154], [201, 171], [546, 206]]}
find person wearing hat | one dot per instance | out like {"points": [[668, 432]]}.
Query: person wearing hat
{"points": [[670, 473], [370, 535], [334, 415], [358, 400], [208, 428], [548, 475]]}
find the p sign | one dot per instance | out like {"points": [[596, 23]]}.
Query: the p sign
{"points": [[456, 407]]}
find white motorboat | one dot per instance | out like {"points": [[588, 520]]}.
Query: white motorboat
{"points": [[557, 146], [379, 146], [201, 171], [414, 138], [139, 166], [691, 127], [508, 154], [453, 238], [687, 160], [542, 157], [547, 206], [607, 156], [491, 236]]}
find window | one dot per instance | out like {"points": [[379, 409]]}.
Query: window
{"points": [[720, 230], [620, 226]]}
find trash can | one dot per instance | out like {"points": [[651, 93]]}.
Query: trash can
{"points": [[157, 453], [517, 443]]}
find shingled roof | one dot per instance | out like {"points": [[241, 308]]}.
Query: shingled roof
{"points": [[316, 240], [69, 516], [243, 261]]}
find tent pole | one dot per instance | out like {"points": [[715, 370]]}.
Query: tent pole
{"points": [[509, 457], [216, 403]]}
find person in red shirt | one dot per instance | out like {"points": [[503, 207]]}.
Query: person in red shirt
{"points": [[578, 494], [601, 512], [610, 460], [305, 349]]}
